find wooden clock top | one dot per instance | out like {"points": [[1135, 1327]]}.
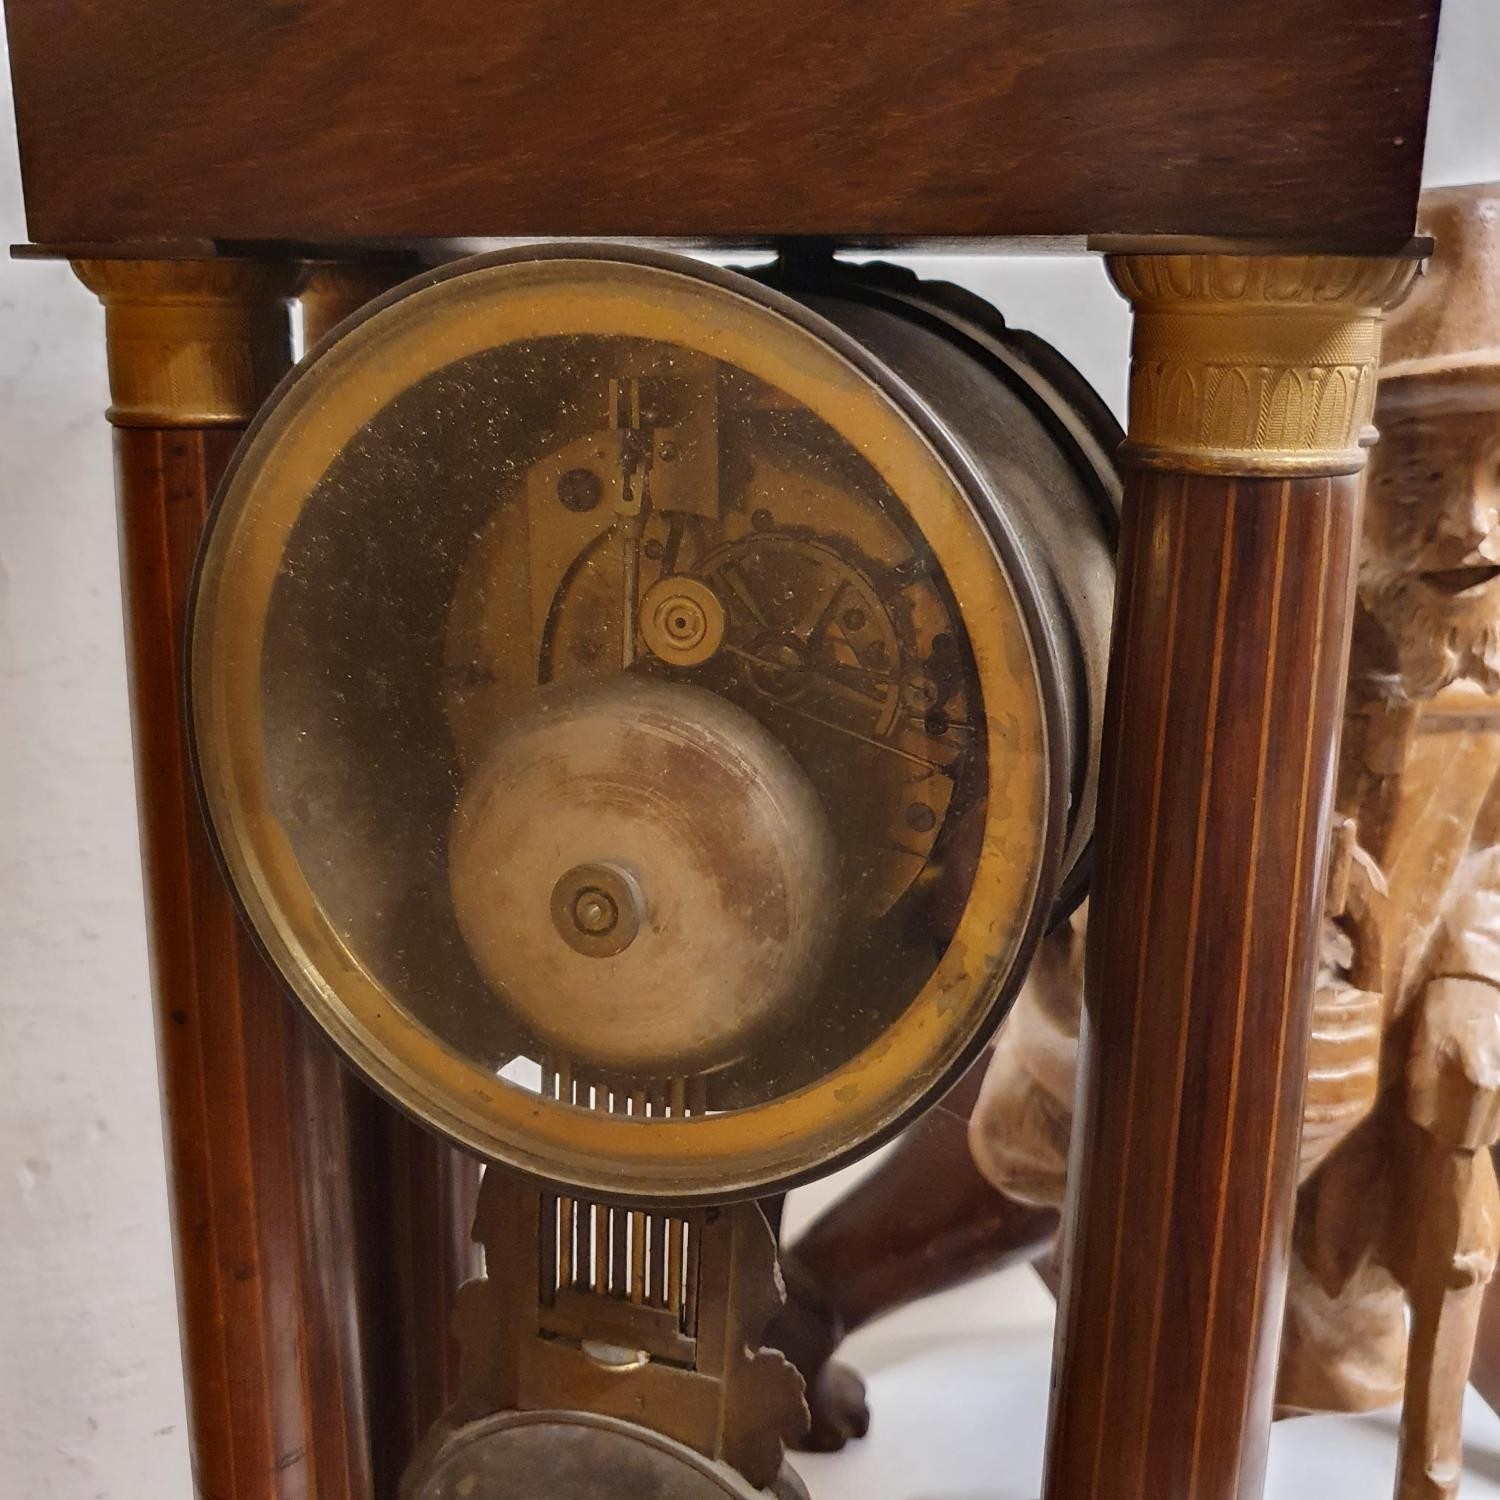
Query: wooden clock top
{"points": [[199, 122]]}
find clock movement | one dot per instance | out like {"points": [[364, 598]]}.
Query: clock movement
{"points": [[648, 715]]}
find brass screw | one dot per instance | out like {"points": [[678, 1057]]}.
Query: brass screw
{"points": [[594, 912]]}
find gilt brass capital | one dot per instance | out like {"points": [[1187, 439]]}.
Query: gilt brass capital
{"points": [[1255, 364], [192, 343], [334, 290]]}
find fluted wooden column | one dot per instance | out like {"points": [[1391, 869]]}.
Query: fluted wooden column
{"points": [[414, 1195], [1252, 384], [257, 1142]]}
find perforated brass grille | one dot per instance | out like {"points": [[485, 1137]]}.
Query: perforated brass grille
{"points": [[592, 1252]]}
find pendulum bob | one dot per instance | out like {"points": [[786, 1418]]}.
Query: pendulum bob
{"points": [[648, 719], [583, 1456]]}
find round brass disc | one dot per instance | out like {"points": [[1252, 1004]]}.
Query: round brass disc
{"points": [[682, 620], [477, 492], [596, 907]]}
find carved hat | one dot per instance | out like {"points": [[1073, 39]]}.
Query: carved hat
{"points": [[1445, 337]]}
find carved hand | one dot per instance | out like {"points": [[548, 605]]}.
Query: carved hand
{"points": [[1453, 1072]]}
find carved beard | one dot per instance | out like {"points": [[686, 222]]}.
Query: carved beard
{"points": [[1412, 642]]}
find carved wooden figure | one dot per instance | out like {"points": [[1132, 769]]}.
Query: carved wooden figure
{"points": [[1398, 1206], [1405, 1208]]}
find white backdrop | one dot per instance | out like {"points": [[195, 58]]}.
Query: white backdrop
{"points": [[90, 1382]]}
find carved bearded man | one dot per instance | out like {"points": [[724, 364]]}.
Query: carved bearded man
{"points": [[1398, 1206]]}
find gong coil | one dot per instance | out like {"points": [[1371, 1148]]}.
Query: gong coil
{"points": [[648, 717]]}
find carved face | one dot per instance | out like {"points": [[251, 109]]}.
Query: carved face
{"points": [[1429, 579]]}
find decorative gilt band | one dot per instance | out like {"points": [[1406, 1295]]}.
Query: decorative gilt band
{"points": [[1255, 364], [192, 343]]}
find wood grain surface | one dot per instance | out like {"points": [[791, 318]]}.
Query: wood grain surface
{"points": [[314, 120], [263, 1216], [320, 1235], [1221, 729]]}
